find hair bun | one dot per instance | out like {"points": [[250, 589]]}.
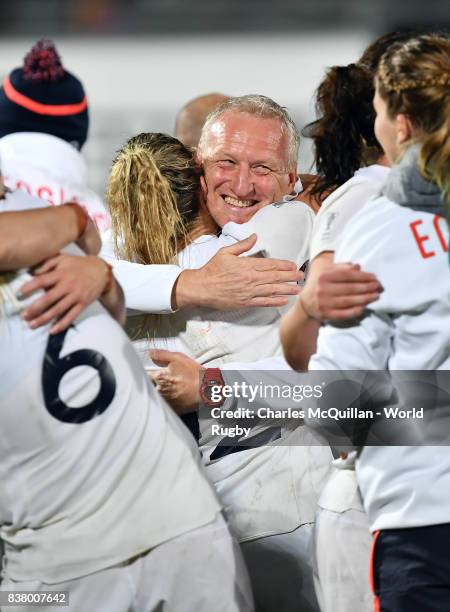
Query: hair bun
{"points": [[42, 64]]}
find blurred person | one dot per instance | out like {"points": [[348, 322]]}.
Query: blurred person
{"points": [[155, 201], [191, 117], [401, 236], [43, 126], [345, 146], [102, 463]]}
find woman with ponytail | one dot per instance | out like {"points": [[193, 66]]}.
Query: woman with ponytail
{"points": [[352, 164], [401, 236], [153, 195]]}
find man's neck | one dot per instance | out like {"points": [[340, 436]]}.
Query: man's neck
{"points": [[204, 225]]}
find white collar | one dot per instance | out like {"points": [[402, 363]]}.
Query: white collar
{"points": [[298, 188], [373, 172]]}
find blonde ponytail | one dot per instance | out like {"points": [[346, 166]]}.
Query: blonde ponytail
{"points": [[153, 198], [434, 161]]}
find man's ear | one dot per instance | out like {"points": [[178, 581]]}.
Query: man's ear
{"points": [[203, 187], [404, 128], [293, 175]]}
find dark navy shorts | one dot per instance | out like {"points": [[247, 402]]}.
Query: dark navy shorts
{"points": [[410, 569]]}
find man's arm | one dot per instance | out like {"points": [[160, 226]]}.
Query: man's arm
{"points": [[226, 281]]}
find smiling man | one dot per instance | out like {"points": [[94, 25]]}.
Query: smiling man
{"points": [[248, 150]]}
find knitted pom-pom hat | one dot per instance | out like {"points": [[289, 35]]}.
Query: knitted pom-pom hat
{"points": [[44, 97]]}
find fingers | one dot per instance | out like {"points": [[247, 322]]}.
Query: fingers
{"points": [[43, 303], [277, 277], [241, 247], [274, 290], [264, 264], [48, 265], [46, 309], [162, 357], [66, 320], [349, 301], [349, 289], [268, 302], [165, 387], [38, 282], [345, 314], [347, 273]]}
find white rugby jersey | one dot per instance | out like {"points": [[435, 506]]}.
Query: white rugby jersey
{"points": [[408, 328], [51, 169], [94, 466], [343, 204]]}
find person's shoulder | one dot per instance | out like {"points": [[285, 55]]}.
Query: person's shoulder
{"points": [[365, 183], [371, 229], [381, 231], [288, 211]]}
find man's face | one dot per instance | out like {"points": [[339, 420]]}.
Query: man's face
{"points": [[245, 161]]}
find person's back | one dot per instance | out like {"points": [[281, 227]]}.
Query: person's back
{"points": [[96, 468], [85, 461]]}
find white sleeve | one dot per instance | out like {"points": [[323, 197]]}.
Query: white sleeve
{"points": [[283, 231], [146, 288]]}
